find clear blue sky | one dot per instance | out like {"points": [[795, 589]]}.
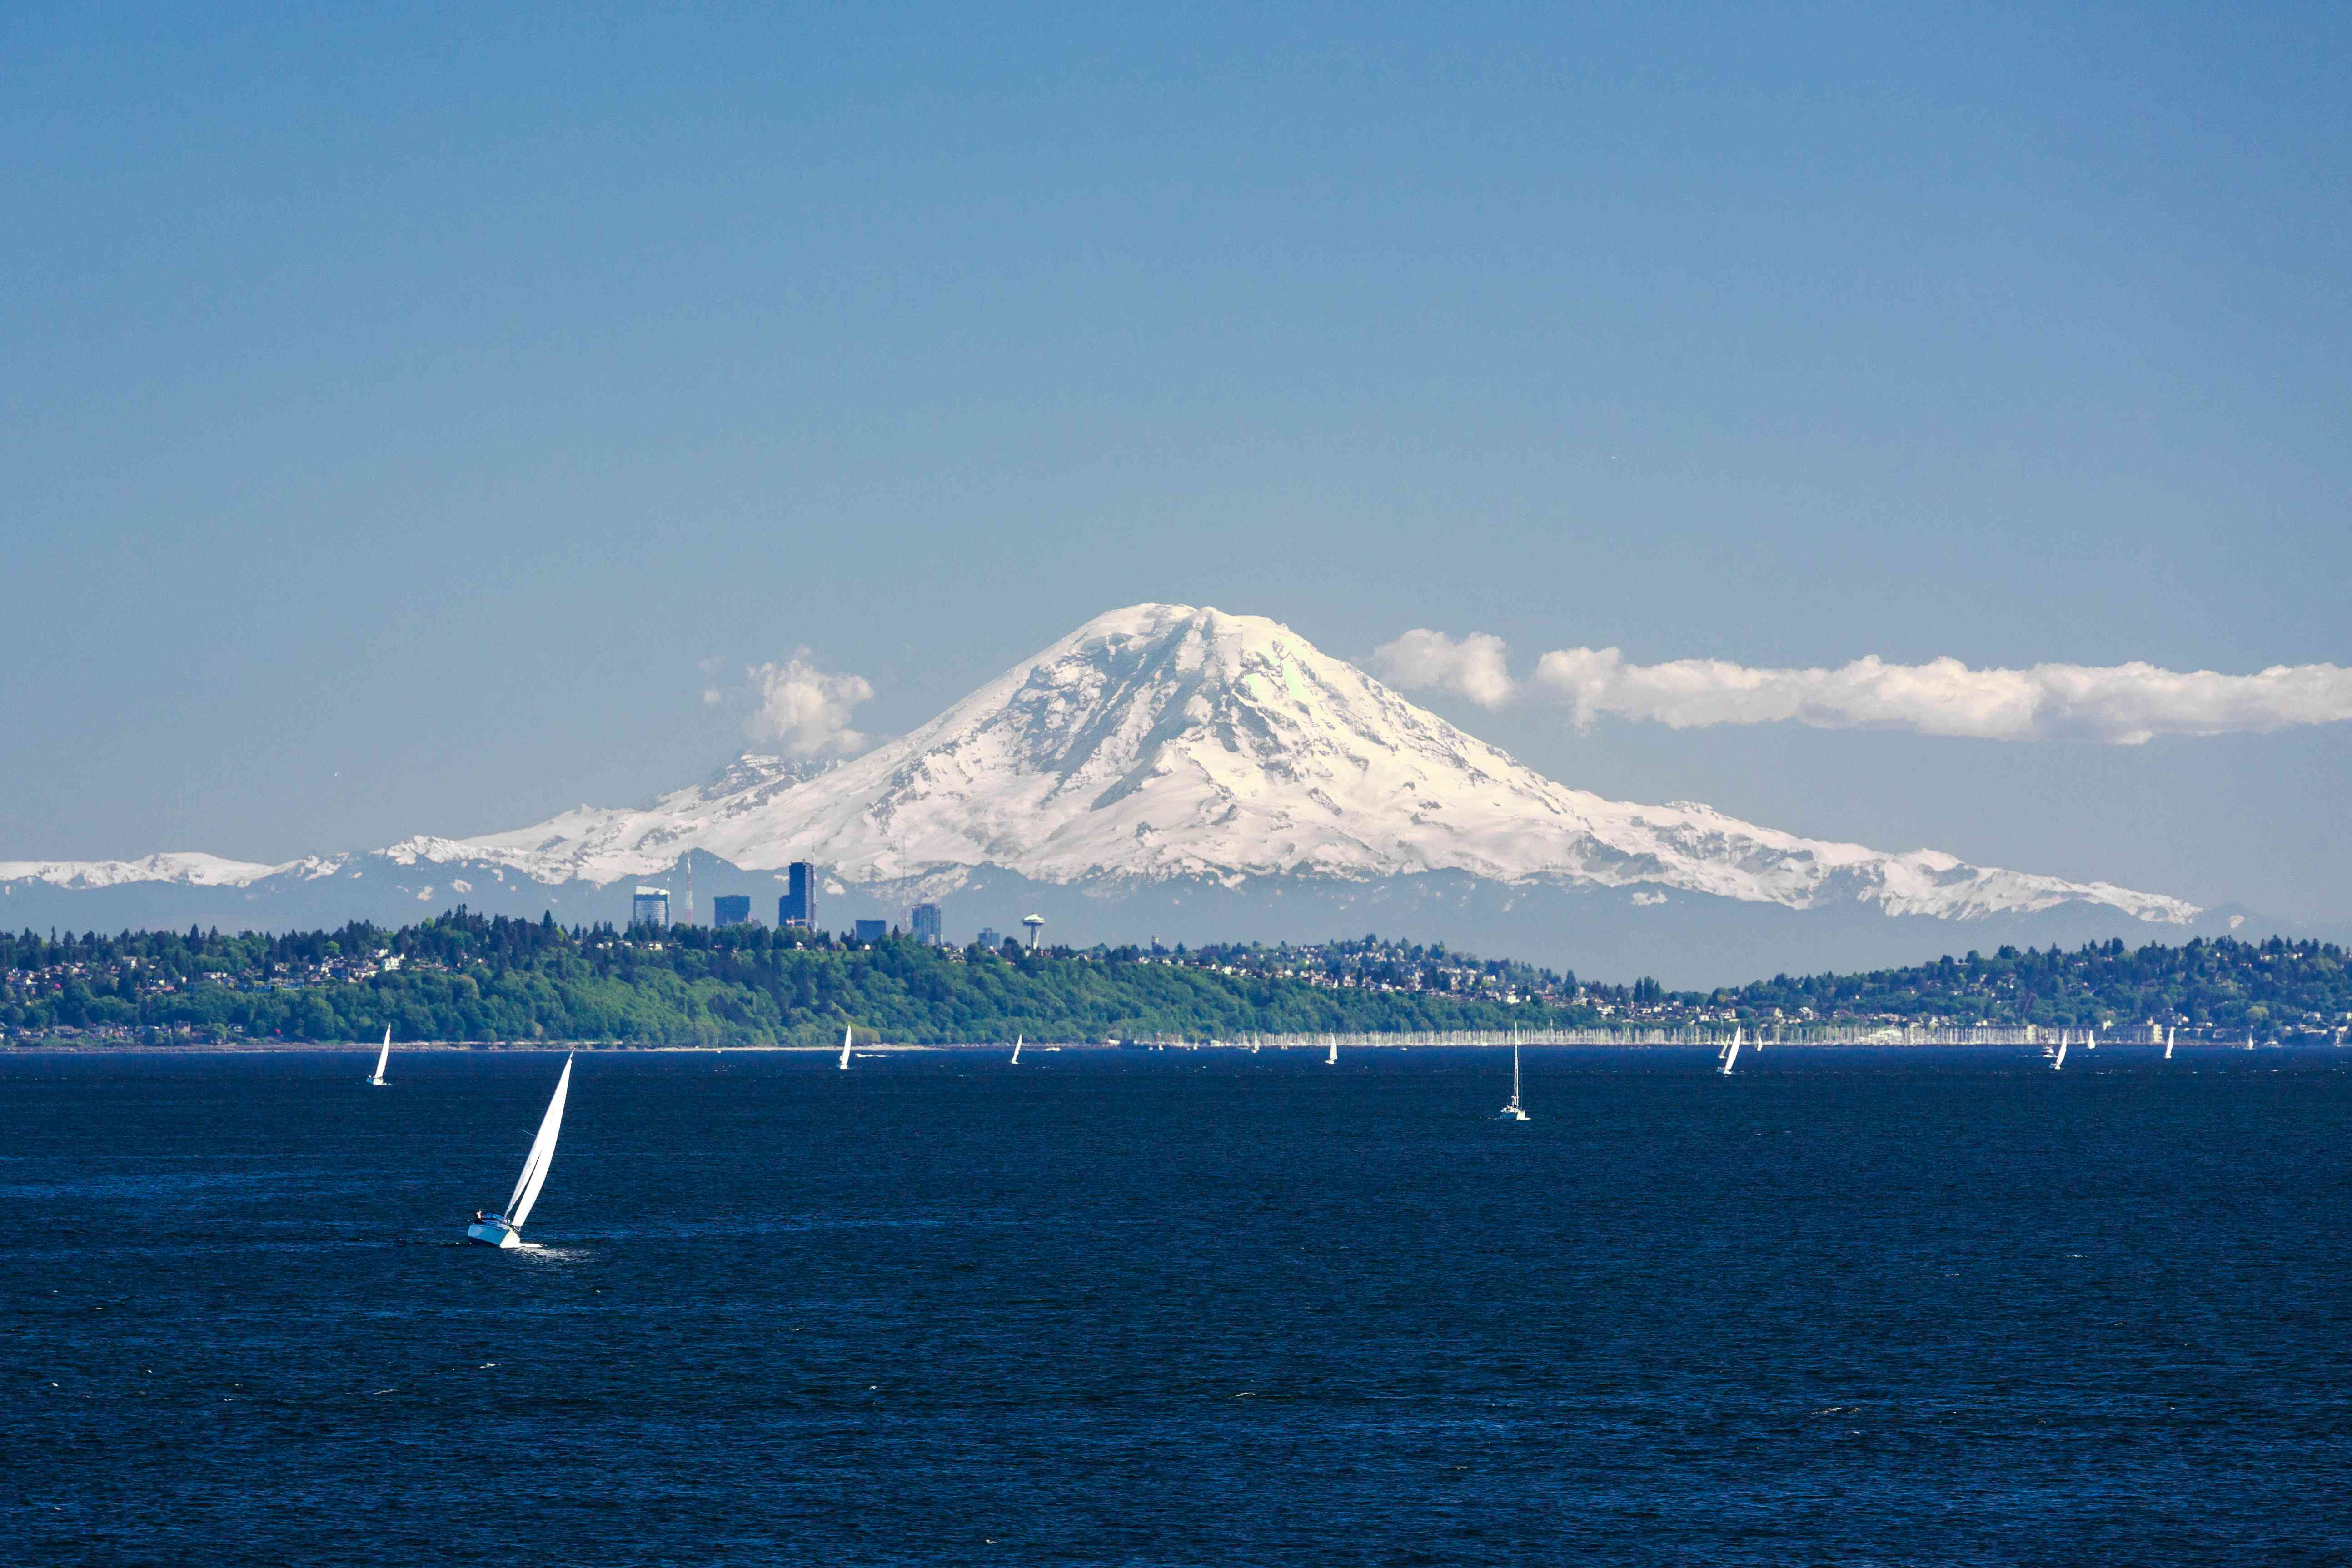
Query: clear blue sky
{"points": [[402, 404]]}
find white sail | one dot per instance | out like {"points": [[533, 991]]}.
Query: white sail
{"points": [[542, 1154], [844, 1050], [1333, 1060], [1731, 1051], [2090, 1040], [2167, 1043], [2061, 1060], [383, 1056], [1016, 1048]]}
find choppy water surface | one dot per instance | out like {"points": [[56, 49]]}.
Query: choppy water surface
{"points": [[1846, 1306]]}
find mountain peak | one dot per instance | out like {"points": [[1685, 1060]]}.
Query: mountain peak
{"points": [[1172, 740]]}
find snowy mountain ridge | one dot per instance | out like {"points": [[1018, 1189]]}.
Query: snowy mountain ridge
{"points": [[1164, 742]]}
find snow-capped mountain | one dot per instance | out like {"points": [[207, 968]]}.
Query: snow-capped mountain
{"points": [[1166, 745], [1164, 742]]}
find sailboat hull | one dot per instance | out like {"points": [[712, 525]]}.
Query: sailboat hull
{"points": [[490, 1233]]}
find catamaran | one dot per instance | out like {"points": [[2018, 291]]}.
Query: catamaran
{"points": [[844, 1050], [1731, 1051], [1017, 1049], [382, 1059], [1515, 1112], [506, 1229]]}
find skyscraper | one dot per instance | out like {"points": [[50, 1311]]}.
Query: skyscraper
{"points": [[798, 906], [925, 923], [650, 907], [869, 931], [730, 910]]}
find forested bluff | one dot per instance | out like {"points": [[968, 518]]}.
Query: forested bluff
{"points": [[464, 977]]}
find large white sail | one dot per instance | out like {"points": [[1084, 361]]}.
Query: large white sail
{"points": [[2168, 1042], [844, 1050], [1731, 1052], [383, 1056], [542, 1154], [1016, 1048]]}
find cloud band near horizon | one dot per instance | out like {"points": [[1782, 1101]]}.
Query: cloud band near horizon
{"points": [[2124, 704]]}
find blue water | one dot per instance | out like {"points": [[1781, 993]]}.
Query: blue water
{"points": [[1847, 1307]]}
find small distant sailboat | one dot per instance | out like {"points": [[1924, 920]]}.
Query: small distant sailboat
{"points": [[844, 1050], [2090, 1040], [2167, 1043], [1515, 1112], [1731, 1051], [2250, 1040], [1333, 1060], [1016, 1050], [2058, 1063], [383, 1060], [506, 1229]]}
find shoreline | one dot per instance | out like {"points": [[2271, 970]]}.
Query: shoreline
{"points": [[367, 1048]]}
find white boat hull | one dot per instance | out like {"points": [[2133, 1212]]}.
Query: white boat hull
{"points": [[493, 1233], [1513, 1113]]}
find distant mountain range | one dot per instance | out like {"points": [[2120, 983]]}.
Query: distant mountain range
{"points": [[1191, 774]]}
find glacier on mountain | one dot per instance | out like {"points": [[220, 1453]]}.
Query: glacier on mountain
{"points": [[1164, 742]]}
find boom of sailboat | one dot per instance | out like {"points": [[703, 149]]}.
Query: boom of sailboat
{"points": [[504, 1230]]}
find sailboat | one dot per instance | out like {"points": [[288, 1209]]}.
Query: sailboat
{"points": [[506, 1229], [2168, 1042], [844, 1050], [2058, 1063], [1333, 1060], [1515, 1112], [382, 1059], [1017, 1049], [1731, 1051]]}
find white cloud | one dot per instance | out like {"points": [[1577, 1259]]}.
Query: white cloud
{"points": [[1474, 667], [805, 709], [2122, 704]]}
